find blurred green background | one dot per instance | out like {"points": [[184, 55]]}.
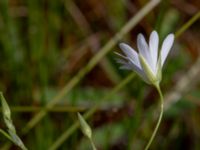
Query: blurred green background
{"points": [[44, 44]]}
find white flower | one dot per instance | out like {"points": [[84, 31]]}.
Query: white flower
{"points": [[148, 62]]}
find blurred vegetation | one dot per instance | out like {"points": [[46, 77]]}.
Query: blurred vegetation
{"points": [[45, 43]]}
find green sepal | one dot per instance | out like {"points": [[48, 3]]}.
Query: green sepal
{"points": [[152, 78], [159, 71]]}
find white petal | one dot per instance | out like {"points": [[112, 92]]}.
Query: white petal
{"points": [[143, 76], [124, 64], [144, 50], [130, 53], [166, 46], [153, 47], [140, 72], [121, 61], [131, 66], [125, 67], [127, 64]]}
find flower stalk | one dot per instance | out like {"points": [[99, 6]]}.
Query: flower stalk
{"points": [[159, 119]]}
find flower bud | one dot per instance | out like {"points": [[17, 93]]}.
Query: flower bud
{"points": [[85, 127]]}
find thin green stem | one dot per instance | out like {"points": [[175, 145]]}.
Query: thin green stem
{"points": [[93, 145], [160, 117], [5, 134], [187, 24], [21, 145]]}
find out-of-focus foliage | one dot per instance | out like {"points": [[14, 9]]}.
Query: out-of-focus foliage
{"points": [[44, 44]]}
